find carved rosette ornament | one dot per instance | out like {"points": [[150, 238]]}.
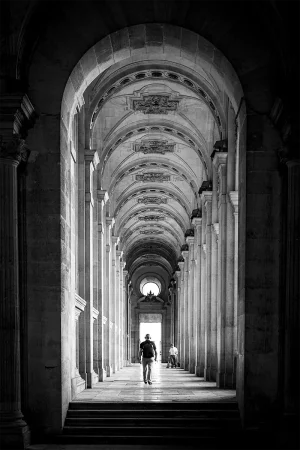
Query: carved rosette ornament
{"points": [[14, 150]]}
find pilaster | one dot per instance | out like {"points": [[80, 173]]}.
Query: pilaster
{"points": [[206, 198], [14, 431], [199, 300], [190, 240]]}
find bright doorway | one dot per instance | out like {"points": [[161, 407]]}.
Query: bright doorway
{"points": [[154, 329]]}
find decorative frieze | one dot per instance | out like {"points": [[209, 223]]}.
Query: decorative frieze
{"points": [[155, 104], [155, 200], [151, 217], [152, 177], [154, 146], [151, 232]]}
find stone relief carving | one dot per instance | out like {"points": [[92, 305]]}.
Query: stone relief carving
{"points": [[154, 146], [155, 104], [156, 200], [14, 149], [152, 177], [150, 318], [151, 232], [151, 217]]}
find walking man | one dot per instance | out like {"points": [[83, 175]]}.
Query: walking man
{"points": [[148, 352]]}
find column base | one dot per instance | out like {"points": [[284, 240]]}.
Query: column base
{"points": [[92, 379], [14, 437], [225, 380], [192, 367], [210, 374], [109, 371], [199, 371], [102, 374], [78, 384]]}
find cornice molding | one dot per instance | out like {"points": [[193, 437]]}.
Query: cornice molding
{"points": [[80, 303]]}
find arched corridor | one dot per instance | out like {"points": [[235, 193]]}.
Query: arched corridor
{"points": [[154, 145], [149, 168]]}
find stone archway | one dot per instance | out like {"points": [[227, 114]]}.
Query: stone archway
{"points": [[44, 140], [104, 136]]}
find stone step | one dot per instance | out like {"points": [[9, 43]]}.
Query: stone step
{"points": [[155, 422], [154, 413], [119, 430], [203, 406], [184, 441]]}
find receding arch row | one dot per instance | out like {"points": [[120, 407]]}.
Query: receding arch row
{"points": [[194, 139], [137, 193], [133, 167], [158, 74], [116, 48], [154, 210]]}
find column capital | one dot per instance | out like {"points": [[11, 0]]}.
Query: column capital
{"points": [[234, 200], [125, 272], [91, 156], [292, 163], [123, 264], [220, 159], [13, 150], [119, 253], [190, 240], [197, 221], [102, 195], [181, 265], [110, 221], [95, 313], [206, 197], [115, 240], [216, 228], [17, 115], [178, 273], [185, 254]]}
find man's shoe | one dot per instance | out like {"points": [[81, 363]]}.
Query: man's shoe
{"points": [[145, 382], [149, 382]]}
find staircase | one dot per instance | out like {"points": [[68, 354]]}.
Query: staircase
{"points": [[203, 425]]}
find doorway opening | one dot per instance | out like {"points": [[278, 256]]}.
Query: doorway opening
{"points": [[154, 329]]}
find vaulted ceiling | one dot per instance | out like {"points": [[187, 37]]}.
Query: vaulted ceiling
{"points": [[154, 124]]}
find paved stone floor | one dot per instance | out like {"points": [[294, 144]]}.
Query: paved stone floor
{"points": [[169, 385]]}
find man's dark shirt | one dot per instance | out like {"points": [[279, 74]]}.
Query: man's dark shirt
{"points": [[148, 342]]}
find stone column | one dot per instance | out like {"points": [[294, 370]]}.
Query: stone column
{"points": [[177, 310], [199, 299], [186, 309], [191, 302], [181, 313], [14, 431], [126, 315], [91, 161], [118, 310], [102, 198], [225, 312], [113, 302], [123, 332], [292, 296], [80, 305], [233, 290], [206, 198], [108, 308]]}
